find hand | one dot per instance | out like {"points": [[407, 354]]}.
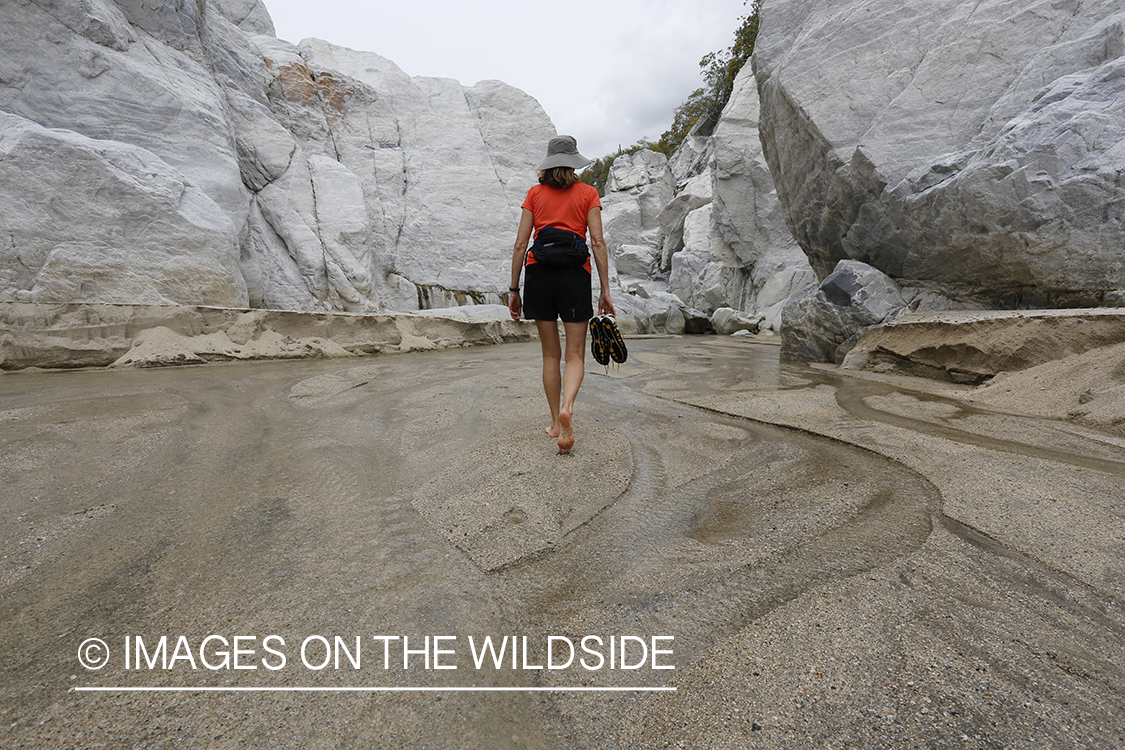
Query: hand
{"points": [[515, 305], [605, 304]]}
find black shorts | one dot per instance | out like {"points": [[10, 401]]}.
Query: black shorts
{"points": [[550, 293]]}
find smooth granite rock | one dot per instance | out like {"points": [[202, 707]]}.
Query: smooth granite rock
{"points": [[640, 186], [128, 73], [747, 213], [970, 148], [340, 179], [727, 320], [707, 274], [101, 221], [749, 216], [820, 320], [695, 193], [721, 239], [442, 168]]}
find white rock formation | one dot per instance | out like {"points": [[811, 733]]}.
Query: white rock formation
{"points": [[103, 221], [249, 15], [723, 239], [182, 154], [308, 176], [640, 186], [823, 321], [706, 274], [692, 158], [972, 148], [748, 213], [696, 192], [444, 168], [728, 321], [131, 74]]}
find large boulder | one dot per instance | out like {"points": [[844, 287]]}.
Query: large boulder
{"points": [[965, 147], [775, 277], [132, 73], [696, 321], [822, 321], [727, 320]]}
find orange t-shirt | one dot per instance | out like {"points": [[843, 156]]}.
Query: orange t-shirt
{"points": [[563, 209]]}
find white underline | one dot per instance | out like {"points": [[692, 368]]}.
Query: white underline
{"points": [[374, 689]]}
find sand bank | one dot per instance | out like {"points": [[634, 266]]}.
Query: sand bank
{"points": [[98, 335]]}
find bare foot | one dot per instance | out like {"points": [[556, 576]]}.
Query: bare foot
{"points": [[566, 434], [553, 430]]}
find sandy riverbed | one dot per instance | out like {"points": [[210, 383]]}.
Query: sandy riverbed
{"points": [[840, 558]]}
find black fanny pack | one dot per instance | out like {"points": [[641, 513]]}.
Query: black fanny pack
{"points": [[559, 247]]}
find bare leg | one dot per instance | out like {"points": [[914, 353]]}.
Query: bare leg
{"points": [[571, 382], [552, 378]]}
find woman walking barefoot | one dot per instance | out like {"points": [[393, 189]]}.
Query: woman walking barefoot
{"points": [[560, 210]]}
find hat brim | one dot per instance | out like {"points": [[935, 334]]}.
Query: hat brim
{"points": [[574, 161]]}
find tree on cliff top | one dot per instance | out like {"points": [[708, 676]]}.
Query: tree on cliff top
{"points": [[703, 106]]}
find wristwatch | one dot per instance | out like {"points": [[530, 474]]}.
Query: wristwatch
{"points": [[513, 289]]}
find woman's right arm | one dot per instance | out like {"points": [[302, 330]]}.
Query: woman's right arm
{"points": [[601, 259], [523, 237]]}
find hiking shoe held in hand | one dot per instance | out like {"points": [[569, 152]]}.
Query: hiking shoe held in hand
{"points": [[606, 342], [599, 341]]}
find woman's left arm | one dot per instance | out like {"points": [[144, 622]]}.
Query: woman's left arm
{"points": [[601, 259]]}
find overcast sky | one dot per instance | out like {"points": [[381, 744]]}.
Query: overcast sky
{"points": [[606, 71]]}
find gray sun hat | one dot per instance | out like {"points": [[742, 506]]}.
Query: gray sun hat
{"points": [[562, 151]]}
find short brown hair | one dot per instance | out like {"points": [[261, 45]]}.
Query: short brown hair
{"points": [[558, 177]]}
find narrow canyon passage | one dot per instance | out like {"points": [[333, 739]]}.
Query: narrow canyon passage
{"points": [[415, 496]]}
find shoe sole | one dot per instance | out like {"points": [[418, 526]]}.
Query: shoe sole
{"points": [[606, 340], [617, 351], [599, 341]]}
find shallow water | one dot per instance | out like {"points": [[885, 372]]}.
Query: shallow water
{"points": [[408, 496]]}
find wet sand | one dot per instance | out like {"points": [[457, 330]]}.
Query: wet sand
{"points": [[841, 559]]}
